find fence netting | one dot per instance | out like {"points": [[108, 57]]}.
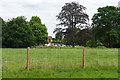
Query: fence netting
{"points": [[58, 59]]}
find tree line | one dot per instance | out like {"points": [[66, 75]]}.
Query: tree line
{"points": [[19, 33], [75, 29]]}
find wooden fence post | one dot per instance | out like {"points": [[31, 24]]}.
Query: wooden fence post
{"points": [[28, 58], [83, 57]]}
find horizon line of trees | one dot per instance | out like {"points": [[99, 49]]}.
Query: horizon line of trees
{"points": [[73, 29]]}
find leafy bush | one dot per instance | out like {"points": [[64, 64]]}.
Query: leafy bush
{"points": [[79, 46], [90, 43], [54, 46], [102, 47], [99, 43]]}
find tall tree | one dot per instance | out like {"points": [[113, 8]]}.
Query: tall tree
{"points": [[17, 33], [106, 25], [72, 17], [39, 30], [2, 24], [83, 36]]}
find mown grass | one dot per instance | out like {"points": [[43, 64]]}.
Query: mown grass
{"points": [[60, 63], [0, 64]]}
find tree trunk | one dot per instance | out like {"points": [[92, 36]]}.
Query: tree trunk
{"points": [[111, 45], [73, 45]]}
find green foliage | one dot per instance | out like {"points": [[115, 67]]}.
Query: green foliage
{"points": [[106, 27], [39, 30], [90, 43], [2, 22], [72, 17], [83, 36], [79, 46], [98, 43], [59, 41], [102, 47], [17, 33]]}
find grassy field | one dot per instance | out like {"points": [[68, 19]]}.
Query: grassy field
{"points": [[60, 63], [0, 64]]}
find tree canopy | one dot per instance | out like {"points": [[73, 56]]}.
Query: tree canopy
{"points": [[106, 25], [72, 18], [1, 24], [39, 30], [18, 32]]}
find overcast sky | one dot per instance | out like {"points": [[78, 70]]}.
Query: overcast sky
{"points": [[47, 9]]}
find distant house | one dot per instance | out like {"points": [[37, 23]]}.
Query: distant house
{"points": [[50, 41]]}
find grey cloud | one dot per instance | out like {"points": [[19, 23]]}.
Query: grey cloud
{"points": [[42, 6], [32, 6]]}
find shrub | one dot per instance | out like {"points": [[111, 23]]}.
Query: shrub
{"points": [[79, 46], [90, 43], [102, 47], [99, 43]]}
